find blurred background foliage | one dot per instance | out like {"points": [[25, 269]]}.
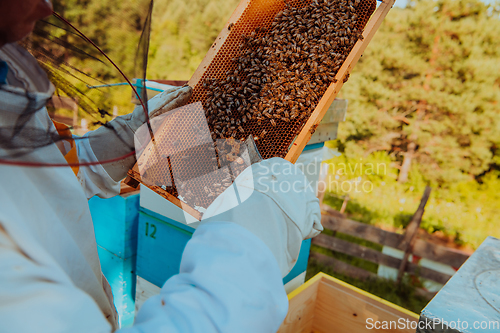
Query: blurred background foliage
{"points": [[423, 101]]}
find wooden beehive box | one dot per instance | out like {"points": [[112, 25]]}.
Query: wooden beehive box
{"points": [[324, 304]]}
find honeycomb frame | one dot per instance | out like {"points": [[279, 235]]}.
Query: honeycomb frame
{"points": [[217, 61]]}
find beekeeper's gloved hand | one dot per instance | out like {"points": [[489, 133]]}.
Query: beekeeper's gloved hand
{"points": [[280, 208], [117, 137]]}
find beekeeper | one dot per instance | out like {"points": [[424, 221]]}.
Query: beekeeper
{"points": [[50, 278]]}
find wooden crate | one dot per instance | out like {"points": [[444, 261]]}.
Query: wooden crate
{"points": [[325, 304]]}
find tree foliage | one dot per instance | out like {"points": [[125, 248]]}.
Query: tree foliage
{"points": [[428, 88]]}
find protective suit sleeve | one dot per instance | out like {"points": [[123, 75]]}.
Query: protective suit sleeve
{"points": [[116, 139], [94, 178], [38, 296], [229, 281]]}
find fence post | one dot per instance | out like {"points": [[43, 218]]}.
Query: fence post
{"points": [[75, 112], [411, 233], [322, 182], [344, 204]]}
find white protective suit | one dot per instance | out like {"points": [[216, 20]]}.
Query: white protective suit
{"points": [[50, 278]]}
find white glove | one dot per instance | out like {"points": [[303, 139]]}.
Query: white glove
{"points": [[279, 207], [116, 138]]}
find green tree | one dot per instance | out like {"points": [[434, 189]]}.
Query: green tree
{"points": [[182, 33], [427, 90]]}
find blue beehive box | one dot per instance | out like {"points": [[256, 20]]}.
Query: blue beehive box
{"points": [[115, 224]]}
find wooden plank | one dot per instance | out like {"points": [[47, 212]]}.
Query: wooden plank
{"points": [[439, 253], [301, 310], [335, 281], [125, 188], [134, 174], [143, 291], [377, 257], [343, 310], [356, 250], [332, 91]]}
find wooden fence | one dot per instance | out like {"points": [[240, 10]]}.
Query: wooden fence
{"points": [[407, 242]]}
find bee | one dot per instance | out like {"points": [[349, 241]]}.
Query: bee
{"points": [[230, 26]]}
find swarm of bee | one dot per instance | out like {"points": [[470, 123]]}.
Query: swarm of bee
{"points": [[283, 71]]}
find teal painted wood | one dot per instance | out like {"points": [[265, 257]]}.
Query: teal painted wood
{"points": [[161, 242], [120, 274], [301, 264], [115, 225]]}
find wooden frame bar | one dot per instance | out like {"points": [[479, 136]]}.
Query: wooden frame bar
{"points": [[134, 174]]}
